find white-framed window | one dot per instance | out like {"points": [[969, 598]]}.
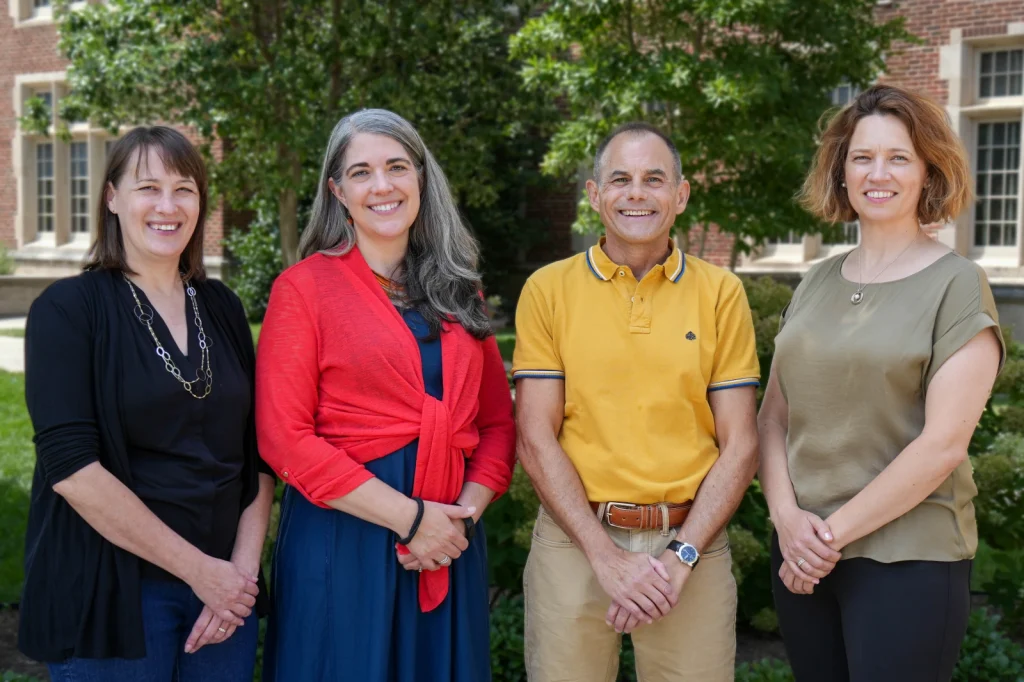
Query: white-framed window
{"points": [[79, 187], [44, 187], [1000, 73], [997, 184], [58, 180]]}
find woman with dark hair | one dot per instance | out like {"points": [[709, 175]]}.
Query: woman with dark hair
{"points": [[149, 502], [883, 364], [383, 403]]}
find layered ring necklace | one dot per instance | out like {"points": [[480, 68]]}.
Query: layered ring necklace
{"points": [[858, 295], [204, 375]]}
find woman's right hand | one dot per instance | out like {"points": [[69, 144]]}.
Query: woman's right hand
{"points": [[802, 538], [441, 533], [226, 589]]}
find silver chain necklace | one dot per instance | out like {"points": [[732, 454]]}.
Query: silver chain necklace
{"points": [[858, 295], [204, 373]]}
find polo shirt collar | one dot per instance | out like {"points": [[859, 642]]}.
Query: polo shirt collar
{"points": [[604, 268]]}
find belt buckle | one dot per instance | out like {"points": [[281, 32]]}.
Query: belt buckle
{"points": [[617, 505]]}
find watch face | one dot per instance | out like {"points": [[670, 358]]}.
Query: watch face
{"points": [[688, 553]]}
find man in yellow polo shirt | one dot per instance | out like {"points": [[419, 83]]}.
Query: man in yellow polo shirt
{"points": [[636, 370]]}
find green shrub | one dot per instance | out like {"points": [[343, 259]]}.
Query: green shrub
{"points": [[6, 262], [507, 653], [765, 670], [987, 654], [10, 676], [255, 263]]}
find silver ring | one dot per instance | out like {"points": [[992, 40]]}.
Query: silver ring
{"points": [[445, 560], [222, 630], [800, 562]]}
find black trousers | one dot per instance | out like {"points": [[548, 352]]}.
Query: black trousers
{"points": [[874, 622]]}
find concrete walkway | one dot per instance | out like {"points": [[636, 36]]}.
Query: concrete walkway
{"points": [[12, 350]]}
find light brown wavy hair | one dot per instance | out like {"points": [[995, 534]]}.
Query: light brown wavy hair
{"points": [[947, 187]]}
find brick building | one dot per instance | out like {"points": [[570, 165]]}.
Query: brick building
{"points": [[49, 188], [970, 60]]}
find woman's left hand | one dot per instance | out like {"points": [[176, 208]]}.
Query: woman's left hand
{"points": [[794, 584], [209, 629]]}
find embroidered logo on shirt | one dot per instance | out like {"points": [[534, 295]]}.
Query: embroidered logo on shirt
{"points": [[690, 336]]}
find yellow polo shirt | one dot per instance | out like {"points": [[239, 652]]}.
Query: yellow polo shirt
{"points": [[638, 360]]}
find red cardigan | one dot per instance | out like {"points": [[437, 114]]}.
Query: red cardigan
{"points": [[339, 382]]}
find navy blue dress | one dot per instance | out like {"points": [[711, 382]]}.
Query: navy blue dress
{"points": [[345, 609]]}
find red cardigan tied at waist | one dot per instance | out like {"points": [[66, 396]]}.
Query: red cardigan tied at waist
{"points": [[339, 382]]}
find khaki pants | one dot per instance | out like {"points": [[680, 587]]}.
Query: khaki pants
{"points": [[567, 639]]}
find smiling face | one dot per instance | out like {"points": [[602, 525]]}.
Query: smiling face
{"points": [[157, 210], [884, 175], [637, 194], [379, 186]]}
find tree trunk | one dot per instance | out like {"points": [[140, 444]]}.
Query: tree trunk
{"points": [[288, 207]]}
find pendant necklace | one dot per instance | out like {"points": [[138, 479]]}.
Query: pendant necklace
{"points": [[858, 295]]}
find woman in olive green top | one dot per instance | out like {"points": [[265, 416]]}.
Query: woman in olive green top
{"points": [[884, 362]]}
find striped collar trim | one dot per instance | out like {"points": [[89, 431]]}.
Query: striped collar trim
{"points": [[604, 267]]}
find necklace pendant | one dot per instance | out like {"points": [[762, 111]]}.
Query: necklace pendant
{"points": [[857, 298]]}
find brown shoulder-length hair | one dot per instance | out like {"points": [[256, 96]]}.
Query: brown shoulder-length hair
{"points": [[179, 156], [947, 189]]}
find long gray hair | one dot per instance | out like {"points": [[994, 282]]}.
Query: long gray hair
{"points": [[440, 275]]}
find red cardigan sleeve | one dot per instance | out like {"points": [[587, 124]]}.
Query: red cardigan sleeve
{"points": [[491, 465], [287, 397]]}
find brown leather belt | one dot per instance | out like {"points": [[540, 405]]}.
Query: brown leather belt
{"points": [[642, 516]]}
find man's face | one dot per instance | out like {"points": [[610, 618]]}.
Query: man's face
{"points": [[637, 194]]}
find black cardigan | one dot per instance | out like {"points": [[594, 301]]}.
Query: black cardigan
{"points": [[82, 594]]}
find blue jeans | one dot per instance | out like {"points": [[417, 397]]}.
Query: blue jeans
{"points": [[169, 610]]}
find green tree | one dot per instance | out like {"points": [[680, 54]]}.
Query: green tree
{"points": [[739, 85], [262, 82]]}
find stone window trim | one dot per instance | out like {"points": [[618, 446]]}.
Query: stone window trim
{"points": [[960, 65], [32, 13], [26, 219]]}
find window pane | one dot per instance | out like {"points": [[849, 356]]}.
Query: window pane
{"points": [[997, 185], [998, 134], [999, 89], [1002, 62], [39, 3], [983, 134], [1015, 84], [998, 159], [995, 235], [986, 62], [1016, 61], [1011, 210], [1010, 234], [985, 86]]}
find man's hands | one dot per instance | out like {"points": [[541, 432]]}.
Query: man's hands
{"points": [[677, 572], [640, 587]]}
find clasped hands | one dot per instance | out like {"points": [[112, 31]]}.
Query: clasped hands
{"points": [[807, 556], [643, 588], [441, 534]]}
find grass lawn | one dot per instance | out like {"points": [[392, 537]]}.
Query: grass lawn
{"points": [[16, 333], [17, 459]]}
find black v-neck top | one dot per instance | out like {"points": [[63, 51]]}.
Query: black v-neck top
{"points": [[97, 392], [185, 454]]}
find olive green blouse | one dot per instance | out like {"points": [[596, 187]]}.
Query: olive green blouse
{"points": [[855, 378]]}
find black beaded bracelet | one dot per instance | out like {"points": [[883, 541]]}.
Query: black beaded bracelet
{"points": [[415, 524]]}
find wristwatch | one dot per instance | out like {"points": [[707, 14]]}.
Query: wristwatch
{"points": [[686, 552], [470, 528]]}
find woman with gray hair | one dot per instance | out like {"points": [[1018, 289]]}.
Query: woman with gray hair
{"points": [[382, 401]]}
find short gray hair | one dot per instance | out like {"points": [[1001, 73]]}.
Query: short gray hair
{"points": [[636, 128], [440, 277]]}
